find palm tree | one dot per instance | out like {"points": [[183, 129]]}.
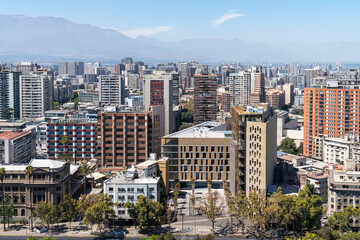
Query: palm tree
{"points": [[29, 172], [85, 170], [2, 176]]}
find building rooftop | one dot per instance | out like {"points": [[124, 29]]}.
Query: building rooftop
{"points": [[38, 163], [211, 129], [125, 178], [12, 135], [257, 109]]}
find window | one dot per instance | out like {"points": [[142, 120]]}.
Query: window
{"points": [[131, 198], [151, 189], [111, 189]]}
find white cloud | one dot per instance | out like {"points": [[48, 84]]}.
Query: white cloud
{"points": [[134, 33], [226, 17]]}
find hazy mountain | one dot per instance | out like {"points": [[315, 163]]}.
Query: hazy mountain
{"points": [[226, 50], [50, 37]]}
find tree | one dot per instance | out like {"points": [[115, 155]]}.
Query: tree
{"points": [[57, 105], [76, 103], [288, 145], [307, 210], [45, 211], [100, 213], [68, 208], [308, 236], [256, 209], [145, 213], [29, 172], [2, 176], [9, 112], [9, 211], [279, 209], [85, 170], [85, 202], [237, 206], [211, 208], [168, 236]]}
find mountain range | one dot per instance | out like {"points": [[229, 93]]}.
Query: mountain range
{"points": [[50, 39]]}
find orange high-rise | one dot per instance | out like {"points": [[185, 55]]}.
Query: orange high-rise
{"points": [[330, 109]]}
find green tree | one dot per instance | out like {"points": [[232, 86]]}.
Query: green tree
{"points": [[256, 209], [9, 112], [57, 105], [2, 177], [279, 209], [85, 170], [288, 145], [9, 211], [145, 213], [307, 210], [29, 173], [45, 212], [68, 209], [308, 236], [168, 236], [100, 213], [76, 103], [85, 202], [211, 208], [237, 206]]}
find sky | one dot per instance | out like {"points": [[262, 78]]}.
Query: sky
{"points": [[273, 21]]}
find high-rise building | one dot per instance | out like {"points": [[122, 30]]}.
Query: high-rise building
{"points": [[82, 134], [71, 68], [289, 93], [257, 86], [159, 90], [331, 109], [128, 137], [111, 90], [27, 67], [36, 94], [119, 68], [276, 98], [240, 88], [205, 86], [253, 148], [200, 152], [9, 94]]}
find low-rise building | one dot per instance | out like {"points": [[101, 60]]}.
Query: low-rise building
{"points": [[51, 182], [143, 179]]}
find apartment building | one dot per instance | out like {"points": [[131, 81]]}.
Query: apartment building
{"points": [[257, 86], [82, 134], [128, 137], [9, 94], [51, 182], [17, 147], [253, 148], [205, 86], [36, 94], [344, 188], [200, 152], [111, 90], [240, 88], [276, 98], [330, 109], [159, 89]]}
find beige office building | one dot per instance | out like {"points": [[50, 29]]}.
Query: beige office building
{"points": [[200, 152]]}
